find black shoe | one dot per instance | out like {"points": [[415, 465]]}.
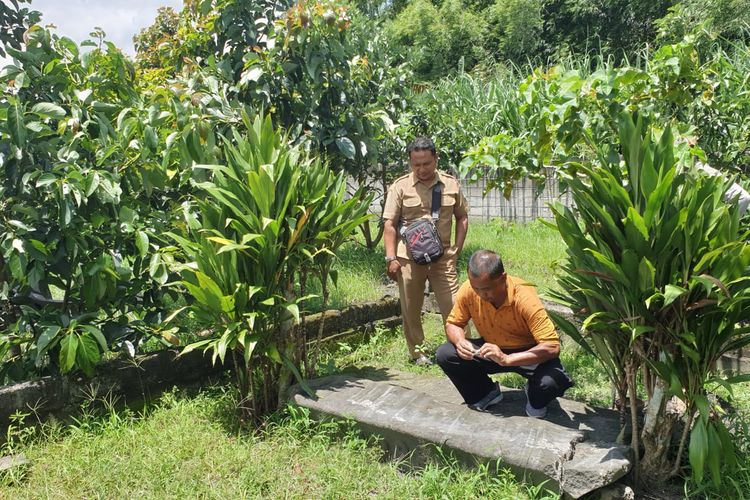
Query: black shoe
{"points": [[492, 398]]}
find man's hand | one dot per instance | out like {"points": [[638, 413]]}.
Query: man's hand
{"points": [[465, 349], [493, 352], [394, 269]]}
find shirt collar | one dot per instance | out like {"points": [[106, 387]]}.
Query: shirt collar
{"points": [[511, 291], [437, 179]]}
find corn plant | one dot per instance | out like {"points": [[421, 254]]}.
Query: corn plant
{"points": [[657, 271], [261, 221]]}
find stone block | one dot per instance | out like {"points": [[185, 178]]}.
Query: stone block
{"points": [[573, 450]]}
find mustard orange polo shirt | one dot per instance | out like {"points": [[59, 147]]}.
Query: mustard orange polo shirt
{"points": [[520, 322]]}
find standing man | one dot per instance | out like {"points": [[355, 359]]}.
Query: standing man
{"points": [[516, 336], [409, 199]]}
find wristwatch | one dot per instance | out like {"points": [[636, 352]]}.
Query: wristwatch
{"points": [[388, 260]]}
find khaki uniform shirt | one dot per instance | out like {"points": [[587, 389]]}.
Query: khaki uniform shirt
{"points": [[409, 200], [520, 322]]}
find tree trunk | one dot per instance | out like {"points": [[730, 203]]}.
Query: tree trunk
{"points": [[630, 373], [367, 233], [656, 437]]}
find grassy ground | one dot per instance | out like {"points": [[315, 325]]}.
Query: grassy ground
{"points": [[530, 251], [191, 446]]}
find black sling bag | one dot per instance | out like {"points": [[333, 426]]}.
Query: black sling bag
{"points": [[421, 236]]}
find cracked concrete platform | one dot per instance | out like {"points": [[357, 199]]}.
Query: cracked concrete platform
{"points": [[573, 450]]}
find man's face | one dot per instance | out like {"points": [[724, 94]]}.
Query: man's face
{"points": [[423, 164], [490, 290]]}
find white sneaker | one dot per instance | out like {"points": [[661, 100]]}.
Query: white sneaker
{"points": [[530, 410], [492, 398], [422, 360]]}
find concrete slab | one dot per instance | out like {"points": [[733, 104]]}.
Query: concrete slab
{"points": [[572, 450]]}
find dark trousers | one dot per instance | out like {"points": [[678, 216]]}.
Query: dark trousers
{"points": [[547, 380]]}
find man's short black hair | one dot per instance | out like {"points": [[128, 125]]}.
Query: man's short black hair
{"points": [[487, 262], [421, 144]]}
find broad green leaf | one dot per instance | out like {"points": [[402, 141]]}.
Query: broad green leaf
{"points": [[87, 355], [48, 109], [16, 123], [68, 349], [698, 449], [671, 293], [96, 333], [346, 146], [46, 338], [251, 75], [174, 314], [273, 353], [637, 331], [714, 457], [150, 138], [46, 179], [294, 310], [141, 243], [646, 273], [201, 344]]}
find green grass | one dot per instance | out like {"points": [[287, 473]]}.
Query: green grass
{"points": [[189, 447], [530, 251], [192, 446]]}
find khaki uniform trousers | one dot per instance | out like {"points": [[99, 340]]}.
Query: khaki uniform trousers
{"points": [[411, 284]]}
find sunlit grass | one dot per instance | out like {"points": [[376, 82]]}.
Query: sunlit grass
{"points": [[530, 251], [190, 447]]}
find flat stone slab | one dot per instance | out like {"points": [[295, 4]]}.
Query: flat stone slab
{"points": [[573, 450], [13, 461]]}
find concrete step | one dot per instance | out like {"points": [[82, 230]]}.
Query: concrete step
{"points": [[572, 451]]}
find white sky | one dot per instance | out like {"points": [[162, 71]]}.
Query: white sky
{"points": [[120, 19]]}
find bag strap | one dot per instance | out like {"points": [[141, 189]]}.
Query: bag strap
{"points": [[437, 196]]}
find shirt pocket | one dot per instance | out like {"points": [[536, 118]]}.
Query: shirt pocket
{"points": [[448, 203], [412, 208]]}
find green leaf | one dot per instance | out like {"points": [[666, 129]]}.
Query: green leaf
{"points": [[308, 390], [157, 270], [88, 355], [714, 455], [294, 310], [201, 344], [273, 353], [45, 339], [46, 179], [738, 379], [150, 138], [252, 75], [141, 243], [68, 349], [97, 335], [671, 293], [346, 146], [698, 449], [49, 110], [646, 274], [174, 314], [16, 124]]}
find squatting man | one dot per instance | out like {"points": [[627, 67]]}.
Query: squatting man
{"points": [[516, 333]]}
